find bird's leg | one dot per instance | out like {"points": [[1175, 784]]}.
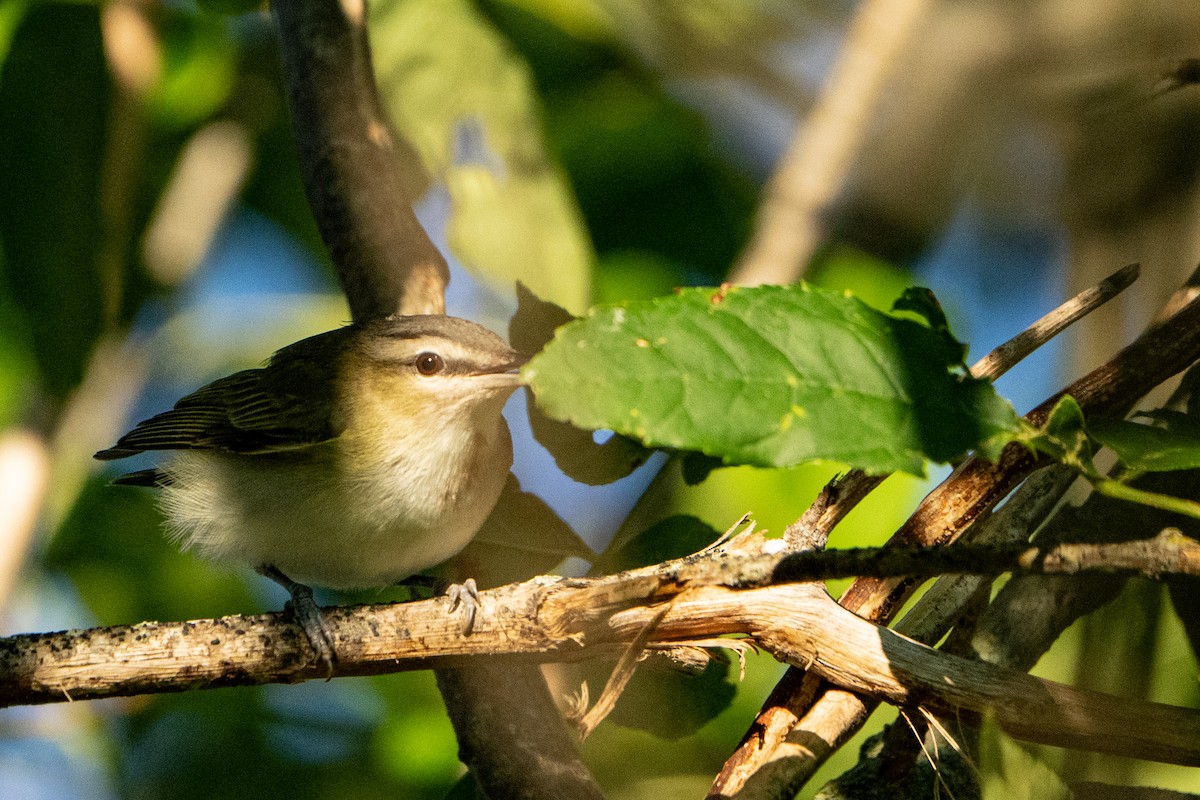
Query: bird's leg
{"points": [[306, 614]]}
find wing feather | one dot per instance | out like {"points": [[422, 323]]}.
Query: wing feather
{"points": [[285, 405]]}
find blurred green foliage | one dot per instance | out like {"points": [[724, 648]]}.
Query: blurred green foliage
{"points": [[198, 71], [470, 112], [54, 100], [649, 184], [646, 204]]}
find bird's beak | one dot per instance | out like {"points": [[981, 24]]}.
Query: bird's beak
{"points": [[507, 373], [513, 364]]}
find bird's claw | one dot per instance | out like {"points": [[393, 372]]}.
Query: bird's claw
{"points": [[307, 614], [465, 594]]}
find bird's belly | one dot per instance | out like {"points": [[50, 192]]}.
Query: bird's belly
{"points": [[350, 555], [353, 534]]}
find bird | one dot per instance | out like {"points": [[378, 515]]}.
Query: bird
{"points": [[354, 458]]}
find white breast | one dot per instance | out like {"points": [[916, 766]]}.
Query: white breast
{"points": [[398, 513]]}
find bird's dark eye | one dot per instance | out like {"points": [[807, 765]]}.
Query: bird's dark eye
{"points": [[430, 363]]}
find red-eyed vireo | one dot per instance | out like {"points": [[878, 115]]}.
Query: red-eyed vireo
{"points": [[353, 459]]}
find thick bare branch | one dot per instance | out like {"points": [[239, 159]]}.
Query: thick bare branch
{"points": [[1007, 355], [351, 158]]}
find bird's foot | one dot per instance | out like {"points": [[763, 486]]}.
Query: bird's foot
{"points": [[305, 612], [465, 594]]}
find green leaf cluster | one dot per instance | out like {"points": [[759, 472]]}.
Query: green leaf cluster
{"points": [[1169, 441]]}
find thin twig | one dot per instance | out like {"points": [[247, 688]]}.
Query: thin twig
{"points": [[1004, 357], [814, 168]]}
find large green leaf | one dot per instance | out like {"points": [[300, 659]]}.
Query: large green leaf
{"points": [[770, 376]]}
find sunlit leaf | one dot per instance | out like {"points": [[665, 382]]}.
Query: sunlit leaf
{"points": [[769, 376], [470, 111]]}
